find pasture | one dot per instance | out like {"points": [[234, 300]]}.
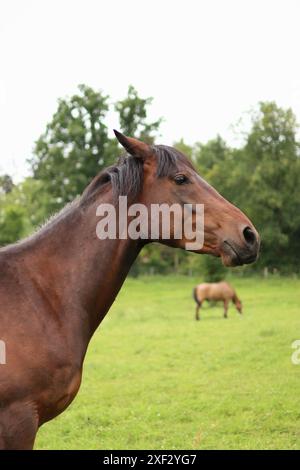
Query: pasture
{"points": [[154, 378]]}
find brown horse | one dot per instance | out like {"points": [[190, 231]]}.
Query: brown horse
{"points": [[216, 291], [57, 285]]}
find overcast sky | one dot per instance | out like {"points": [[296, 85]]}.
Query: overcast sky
{"points": [[204, 62]]}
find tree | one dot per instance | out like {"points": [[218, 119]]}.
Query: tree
{"points": [[21, 210], [214, 152], [76, 145], [213, 269], [133, 112], [6, 184], [271, 197], [262, 178], [219, 164], [184, 148], [11, 224]]}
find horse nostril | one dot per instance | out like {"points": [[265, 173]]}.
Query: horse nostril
{"points": [[249, 236]]}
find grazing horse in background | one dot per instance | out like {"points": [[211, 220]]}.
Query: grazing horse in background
{"points": [[57, 285], [216, 291]]}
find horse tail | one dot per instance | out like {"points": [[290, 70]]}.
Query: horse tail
{"points": [[195, 296]]}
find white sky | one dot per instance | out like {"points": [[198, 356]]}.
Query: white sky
{"points": [[204, 62]]}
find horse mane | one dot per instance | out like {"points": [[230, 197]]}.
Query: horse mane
{"points": [[235, 298], [126, 177]]}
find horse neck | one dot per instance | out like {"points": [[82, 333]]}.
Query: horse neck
{"points": [[80, 274]]}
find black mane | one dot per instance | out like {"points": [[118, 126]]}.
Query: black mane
{"points": [[126, 177]]}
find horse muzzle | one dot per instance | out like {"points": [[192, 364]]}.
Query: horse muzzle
{"points": [[236, 254]]}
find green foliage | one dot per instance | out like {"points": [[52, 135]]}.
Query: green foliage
{"points": [[76, 145], [261, 177], [184, 148], [214, 152], [213, 270], [22, 210], [6, 184], [133, 112], [273, 165], [156, 379], [154, 258], [11, 224]]}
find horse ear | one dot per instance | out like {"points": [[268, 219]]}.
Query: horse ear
{"points": [[134, 147]]}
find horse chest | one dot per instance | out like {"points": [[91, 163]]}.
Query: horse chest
{"points": [[70, 392], [59, 396]]}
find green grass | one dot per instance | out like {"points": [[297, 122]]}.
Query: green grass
{"points": [[156, 379]]}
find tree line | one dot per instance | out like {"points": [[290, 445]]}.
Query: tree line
{"points": [[261, 176]]}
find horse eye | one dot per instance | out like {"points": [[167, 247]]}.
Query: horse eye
{"points": [[181, 179]]}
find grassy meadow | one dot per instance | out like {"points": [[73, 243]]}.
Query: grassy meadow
{"points": [[154, 378]]}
